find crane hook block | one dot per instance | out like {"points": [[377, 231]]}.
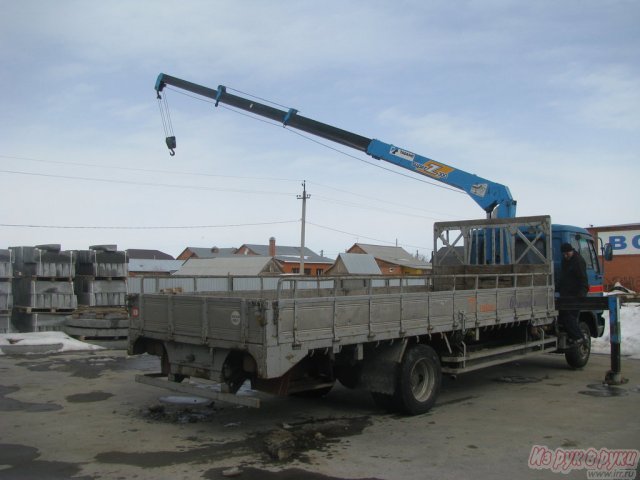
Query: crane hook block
{"points": [[171, 145]]}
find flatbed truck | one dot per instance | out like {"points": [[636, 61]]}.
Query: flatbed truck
{"points": [[392, 336], [489, 299]]}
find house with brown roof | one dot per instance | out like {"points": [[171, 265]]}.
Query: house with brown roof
{"points": [[289, 257]]}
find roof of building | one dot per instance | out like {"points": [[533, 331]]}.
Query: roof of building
{"points": [[623, 226], [210, 252], [288, 254], [148, 254], [235, 265], [146, 265], [358, 264], [395, 255]]}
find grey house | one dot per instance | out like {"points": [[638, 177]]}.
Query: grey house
{"points": [[354, 264], [250, 265]]}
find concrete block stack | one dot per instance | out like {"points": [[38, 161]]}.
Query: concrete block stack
{"points": [[6, 295], [43, 291], [101, 287], [101, 276]]}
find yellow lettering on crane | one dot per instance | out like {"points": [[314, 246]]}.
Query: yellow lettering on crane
{"points": [[435, 169]]}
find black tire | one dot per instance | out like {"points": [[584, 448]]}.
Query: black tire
{"points": [[419, 380], [578, 356]]}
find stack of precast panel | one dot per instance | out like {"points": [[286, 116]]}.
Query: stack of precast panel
{"points": [[101, 276], [6, 295], [101, 287], [43, 292]]}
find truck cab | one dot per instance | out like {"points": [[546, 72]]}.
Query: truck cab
{"points": [[584, 244], [487, 249]]}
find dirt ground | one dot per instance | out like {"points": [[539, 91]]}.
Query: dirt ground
{"points": [[82, 416]]}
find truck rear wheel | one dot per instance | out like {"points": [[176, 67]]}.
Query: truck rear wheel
{"points": [[419, 379], [578, 356]]}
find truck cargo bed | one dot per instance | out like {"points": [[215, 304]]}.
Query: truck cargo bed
{"points": [[296, 323]]}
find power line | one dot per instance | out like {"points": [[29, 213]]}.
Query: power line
{"points": [[145, 170], [314, 140], [201, 174], [367, 197], [194, 227], [218, 189], [363, 236], [165, 227], [147, 184], [198, 174], [355, 205]]}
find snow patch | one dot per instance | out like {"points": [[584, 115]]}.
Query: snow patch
{"points": [[629, 328], [56, 341]]}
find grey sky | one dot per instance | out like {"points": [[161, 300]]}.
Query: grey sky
{"points": [[540, 96]]}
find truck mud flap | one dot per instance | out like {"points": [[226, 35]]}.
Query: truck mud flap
{"points": [[159, 380], [379, 370]]}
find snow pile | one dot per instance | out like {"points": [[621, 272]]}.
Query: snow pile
{"points": [[630, 329], [41, 342]]}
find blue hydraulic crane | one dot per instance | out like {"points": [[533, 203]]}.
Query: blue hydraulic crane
{"points": [[494, 198]]}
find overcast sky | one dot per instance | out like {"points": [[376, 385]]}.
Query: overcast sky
{"points": [[540, 96]]}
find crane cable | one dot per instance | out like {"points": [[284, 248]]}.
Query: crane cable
{"points": [[311, 139], [170, 137]]}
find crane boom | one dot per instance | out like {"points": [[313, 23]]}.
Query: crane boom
{"points": [[494, 198]]}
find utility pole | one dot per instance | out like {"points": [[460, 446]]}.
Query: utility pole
{"points": [[304, 198]]}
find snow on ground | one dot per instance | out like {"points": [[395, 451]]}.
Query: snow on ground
{"points": [[41, 342], [630, 329]]}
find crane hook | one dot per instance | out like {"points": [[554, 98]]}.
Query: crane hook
{"points": [[171, 144]]}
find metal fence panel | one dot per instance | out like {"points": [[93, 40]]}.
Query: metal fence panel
{"points": [[212, 284]]}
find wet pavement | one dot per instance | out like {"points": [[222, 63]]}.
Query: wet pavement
{"points": [[82, 416]]}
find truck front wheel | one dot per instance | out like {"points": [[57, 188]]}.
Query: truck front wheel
{"points": [[419, 379], [578, 356]]}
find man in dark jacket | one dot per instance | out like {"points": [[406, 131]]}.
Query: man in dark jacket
{"points": [[573, 283]]}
